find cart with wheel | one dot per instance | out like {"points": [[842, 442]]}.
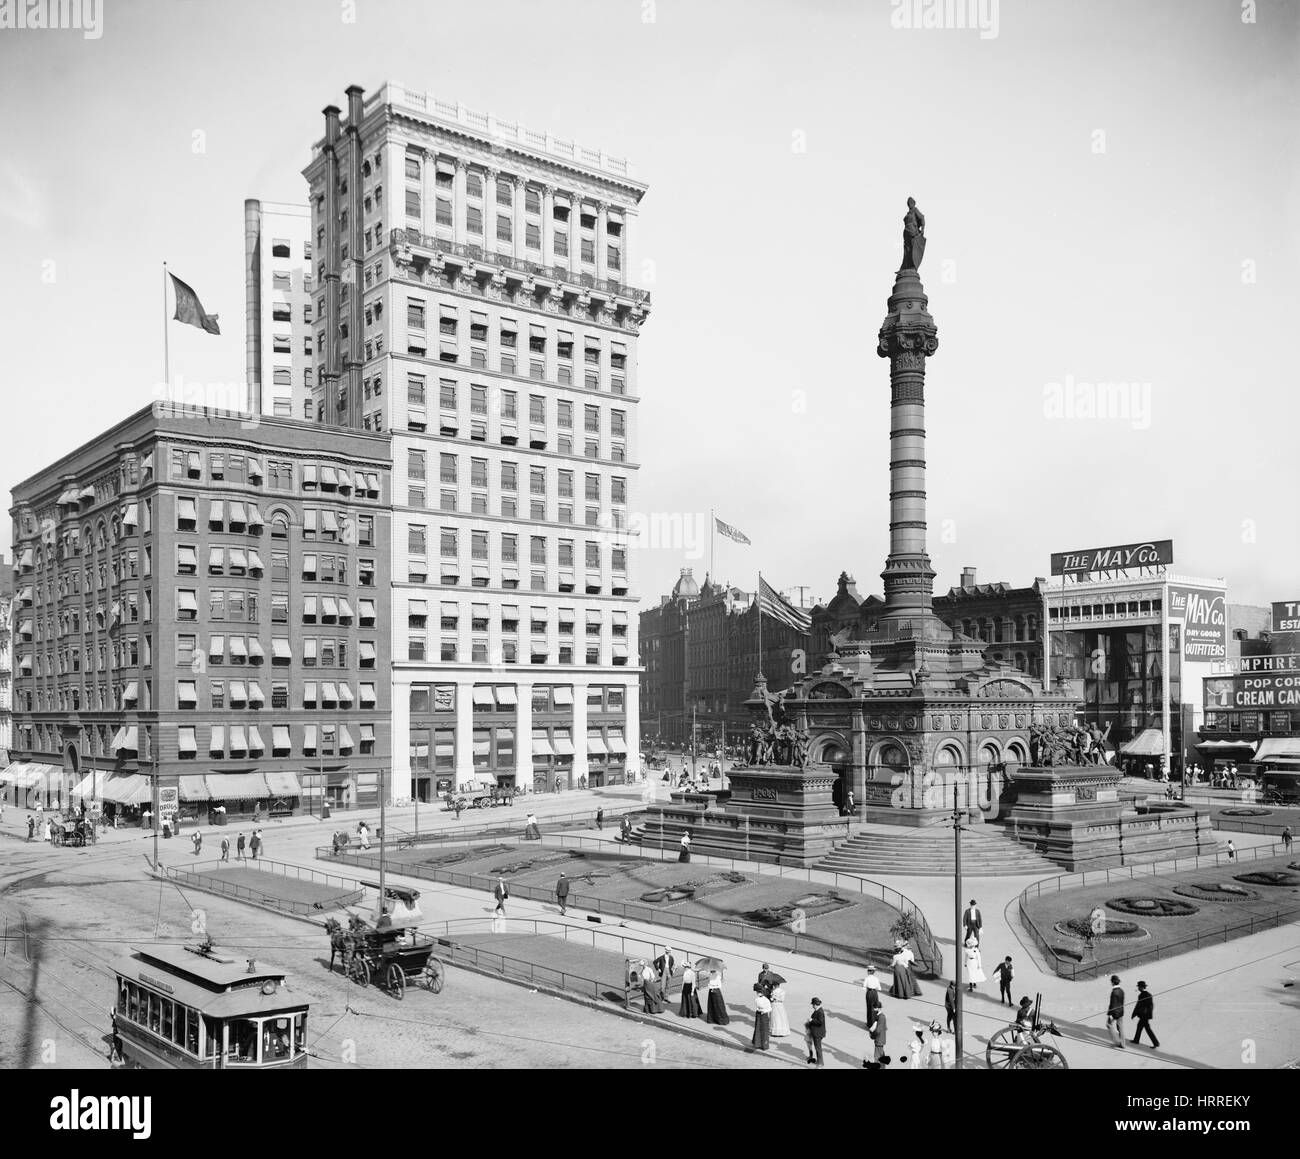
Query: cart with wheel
{"points": [[1021, 1047], [389, 951]]}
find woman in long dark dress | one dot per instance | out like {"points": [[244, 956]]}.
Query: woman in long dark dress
{"points": [[904, 980], [716, 1011], [690, 1006], [762, 1018]]}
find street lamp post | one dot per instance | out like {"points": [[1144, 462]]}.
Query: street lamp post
{"points": [[958, 940]]}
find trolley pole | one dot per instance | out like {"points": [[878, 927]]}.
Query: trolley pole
{"points": [[958, 940]]}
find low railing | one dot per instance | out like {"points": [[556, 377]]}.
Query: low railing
{"points": [[1068, 967], [204, 877], [929, 955]]}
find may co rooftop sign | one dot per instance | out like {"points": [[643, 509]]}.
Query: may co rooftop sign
{"points": [[1150, 553]]}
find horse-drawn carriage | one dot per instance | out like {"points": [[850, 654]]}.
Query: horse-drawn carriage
{"points": [[1020, 1046], [72, 830], [388, 950], [480, 797]]}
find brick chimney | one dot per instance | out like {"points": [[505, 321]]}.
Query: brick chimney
{"points": [[968, 579]]}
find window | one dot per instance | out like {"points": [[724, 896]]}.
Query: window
{"points": [[509, 549], [504, 229], [412, 168], [561, 244], [447, 394], [618, 423], [588, 249], [566, 484], [505, 191], [618, 489], [442, 213], [415, 540], [533, 236], [473, 219], [447, 470], [449, 547]]}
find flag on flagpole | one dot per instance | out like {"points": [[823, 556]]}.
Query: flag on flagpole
{"points": [[730, 532], [778, 607], [190, 310]]}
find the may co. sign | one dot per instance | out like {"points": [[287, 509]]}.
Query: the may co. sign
{"points": [[1204, 613], [1149, 553]]}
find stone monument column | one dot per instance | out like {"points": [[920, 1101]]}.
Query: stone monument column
{"points": [[907, 337]]}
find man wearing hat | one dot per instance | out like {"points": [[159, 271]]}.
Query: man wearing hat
{"points": [[1115, 1013], [814, 1032], [878, 1031], [973, 921], [871, 984], [562, 894]]}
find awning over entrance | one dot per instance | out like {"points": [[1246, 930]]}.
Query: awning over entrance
{"points": [[283, 784], [14, 774], [85, 788], [194, 788], [238, 786], [127, 789], [1224, 745], [1273, 747], [1150, 742]]}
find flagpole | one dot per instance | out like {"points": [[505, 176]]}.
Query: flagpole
{"points": [[167, 358], [713, 527], [760, 623]]}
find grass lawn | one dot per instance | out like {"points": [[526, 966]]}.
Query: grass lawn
{"points": [[241, 881], [1213, 921], [755, 908]]}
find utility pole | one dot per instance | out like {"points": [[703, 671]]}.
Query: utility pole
{"points": [[958, 941], [693, 744], [383, 792], [800, 588]]}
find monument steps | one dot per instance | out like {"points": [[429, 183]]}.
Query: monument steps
{"points": [[929, 853]]}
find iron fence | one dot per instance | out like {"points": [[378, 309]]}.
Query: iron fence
{"points": [[204, 877]]}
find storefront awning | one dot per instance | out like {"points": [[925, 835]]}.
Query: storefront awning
{"points": [[1271, 748], [563, 746], [1220, 745], [195, 788], [126, 738], [84, 788], [616, 743], [542, 747], [1150, 742], [127, 789], [280, 737], [596, 744], [283, 784], [506, 695], [345, 694], [238, 786], [483, 696]]}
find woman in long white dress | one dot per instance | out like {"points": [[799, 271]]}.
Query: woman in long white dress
{"points": [[780, 1023], [974, 963]]}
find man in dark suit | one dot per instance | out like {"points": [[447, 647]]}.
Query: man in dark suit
{"points": [[562, 894], [1003, 971], [664, 965], [814, 1032], [1144, 1009], [501, 892], [1115, 1013], [973, 920]]}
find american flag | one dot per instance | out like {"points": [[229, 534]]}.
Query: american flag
{"points": [[730, 532], [775, 605]]}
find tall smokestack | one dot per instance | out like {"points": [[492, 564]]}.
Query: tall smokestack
{"points": [[253, 303], [330, 258], [353, 271]]}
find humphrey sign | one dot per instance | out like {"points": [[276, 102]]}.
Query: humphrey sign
{"points": [[1204, 613], [1151, 553]]}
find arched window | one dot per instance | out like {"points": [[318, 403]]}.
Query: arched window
{"points": [[279, 526]]}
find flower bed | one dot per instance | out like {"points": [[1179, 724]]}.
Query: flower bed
{"points": [[1152, 907], [1217, 892], [1270, 877], [1116, 931], [1247, 812], [665, 896]]}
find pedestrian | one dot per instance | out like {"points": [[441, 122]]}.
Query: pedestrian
{"points": [[814, 1032], [1232, 850], [1144, 1009], [937, 1060], [1286, 839], [1115, 1013], [685, 854], [974, 964], [849, 807], [871, 985], [973, 921], [557, 784], [652, 992], [459, 805], [363, 834], [600, 819], [904, 979], [950, 1004], [115, 1041], [502, 893], [690, 1006], [239, 848], [198, 843], [1004, 973], [255, 846], [762, 1019], [31, 827], [1024, 1020], [780, 1020], [878, 1031], [625, 829], [225, 849], [917, 1046], [715, 1010], [531, 831], [666, 964], [562, 894]]}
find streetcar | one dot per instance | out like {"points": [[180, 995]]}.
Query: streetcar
{"points": [[204, 1008]]}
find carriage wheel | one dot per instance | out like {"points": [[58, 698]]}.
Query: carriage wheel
{"points": [[1002, 1049], [434, 975], [359, 971], [396, 981], [1039, 1056]]}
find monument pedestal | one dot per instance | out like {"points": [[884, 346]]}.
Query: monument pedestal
{"points": [[776, 813], [1074, 816]]}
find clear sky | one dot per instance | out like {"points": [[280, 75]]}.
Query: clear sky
{"points": [[1111, 194]]}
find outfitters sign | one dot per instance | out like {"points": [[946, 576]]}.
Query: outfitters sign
{"points": [[1151, 553], [1204, 613]]}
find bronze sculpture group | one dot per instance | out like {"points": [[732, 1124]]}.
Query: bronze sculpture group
{"points": [[775, 740], [1051, 745]]}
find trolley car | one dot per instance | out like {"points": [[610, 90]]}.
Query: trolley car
{"points": [[200, 1008]]}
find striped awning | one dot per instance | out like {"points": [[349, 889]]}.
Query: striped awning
{"points": [[1150, 742], [195, 788], [127, 789], [1274, 747], [283, 784], [238, 786]]}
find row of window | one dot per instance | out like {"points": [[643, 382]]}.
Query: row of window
{"points": [[480, 618], [441, 698], [434, 749], [248, 694], [449, 354], [279, 475], [507, 652], [240, 742], [508, 508]]}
